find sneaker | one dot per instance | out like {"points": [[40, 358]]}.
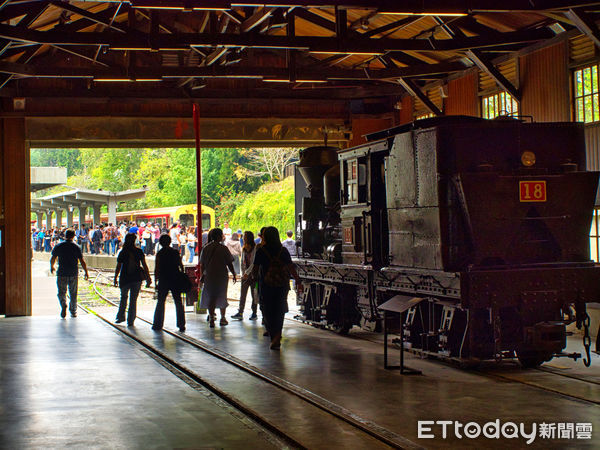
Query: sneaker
{"points": [[119, 320], [223, 321], [237, 316], [63, 311], [253, 316], [73, 314]]}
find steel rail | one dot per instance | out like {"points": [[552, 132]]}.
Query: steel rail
{"points": [[189, 373], [383, 435]]}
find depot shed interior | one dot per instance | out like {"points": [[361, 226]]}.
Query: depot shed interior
{"points": [[127, 74]]}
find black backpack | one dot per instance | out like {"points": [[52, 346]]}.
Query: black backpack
{"points": [[277, 275]]}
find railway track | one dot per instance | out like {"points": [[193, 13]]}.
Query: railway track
{"points": [[305, 404], [543, 378]]}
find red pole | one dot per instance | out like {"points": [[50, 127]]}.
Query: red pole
{"points": [[198, 186]]}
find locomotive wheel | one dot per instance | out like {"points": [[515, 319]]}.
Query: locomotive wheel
{"points": [[530, 360], [342, 329]]}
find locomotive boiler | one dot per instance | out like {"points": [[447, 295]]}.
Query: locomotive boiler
{"points": [[481, 226]]}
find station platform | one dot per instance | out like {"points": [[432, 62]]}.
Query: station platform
{"points": [[77, 383]]}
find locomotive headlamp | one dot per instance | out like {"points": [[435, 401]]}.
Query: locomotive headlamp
{"points": [[528, 159]]}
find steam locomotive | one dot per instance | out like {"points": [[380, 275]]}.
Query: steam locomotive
{"points": [[478, 229]]}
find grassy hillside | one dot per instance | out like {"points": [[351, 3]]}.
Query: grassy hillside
{"points": [[271, 205]]}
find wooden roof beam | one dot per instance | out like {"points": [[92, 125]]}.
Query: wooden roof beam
{"points": [[87, 15], [32, 16], [482, 62], [154, 72], [415, 91], [142, 41], [256, 19], [585, 24], [429, 7], [486, 66]]}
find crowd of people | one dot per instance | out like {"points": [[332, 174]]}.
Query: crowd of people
{"points": [[108, 239], [264, 266]]}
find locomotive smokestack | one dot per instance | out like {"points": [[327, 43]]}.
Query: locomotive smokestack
{"points": [[314, 162]]}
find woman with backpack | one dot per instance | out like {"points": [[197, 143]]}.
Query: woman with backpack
{"points": [[131, 270], [214, 261], [273, 266]]}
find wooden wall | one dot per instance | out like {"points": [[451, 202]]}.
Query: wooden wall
{"points": [[544, 77], [360, 127], [543, 80], [14, 220], [462, 96]]}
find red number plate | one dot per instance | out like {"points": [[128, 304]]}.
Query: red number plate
{"points": [[532, 191]]}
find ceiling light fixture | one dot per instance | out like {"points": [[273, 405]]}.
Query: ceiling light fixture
{"points": [[441, 14]]}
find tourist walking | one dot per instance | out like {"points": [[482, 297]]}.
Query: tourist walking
{"points": [[131, 270], [166, 266], [214, 260], [233, 244], [248, 282], [273, 266], [68, 254], [147, 237], [191, 243], [182, 239], [289, 243]]}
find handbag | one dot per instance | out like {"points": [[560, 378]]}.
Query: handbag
{"points": [[182, 282]]}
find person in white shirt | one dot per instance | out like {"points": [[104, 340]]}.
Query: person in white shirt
{"points": [[289, 243], [227, 231]]}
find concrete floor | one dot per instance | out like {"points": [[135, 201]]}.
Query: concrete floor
{"points": [[76, 383]]}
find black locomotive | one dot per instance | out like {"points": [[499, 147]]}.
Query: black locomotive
{"points": [[481, 226]]}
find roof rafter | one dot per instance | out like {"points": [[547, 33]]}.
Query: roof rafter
{"points": [[152, 72], [143, 41], [585, 24], [87, 15], [414, 90]]}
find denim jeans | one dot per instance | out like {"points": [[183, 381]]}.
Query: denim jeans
{"points": [[71, 283], [133, 289], [191, 252]]}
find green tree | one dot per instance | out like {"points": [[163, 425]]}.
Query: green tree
{"points": [[170, 175], [62, 157]]}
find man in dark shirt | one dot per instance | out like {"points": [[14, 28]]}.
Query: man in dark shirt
{"points": [[68, 254]]}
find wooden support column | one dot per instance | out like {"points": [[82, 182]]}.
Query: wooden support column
{"points": [[15, 220]]}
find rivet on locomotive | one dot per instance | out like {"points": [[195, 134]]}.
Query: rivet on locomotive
{"points": [[482, 224]]}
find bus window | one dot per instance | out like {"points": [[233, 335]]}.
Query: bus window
{"points": [[186, 219], [206, 221]]}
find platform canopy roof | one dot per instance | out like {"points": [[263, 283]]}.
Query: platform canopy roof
{"points": [[83, 198], [195, 49]]}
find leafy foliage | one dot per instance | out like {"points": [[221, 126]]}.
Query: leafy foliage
{"points": [[169, 174], [225, 210], [271, 205], [65, 157]]}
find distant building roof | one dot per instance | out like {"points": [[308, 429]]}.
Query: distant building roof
{"points": [[46, 177], [79, 197]]}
